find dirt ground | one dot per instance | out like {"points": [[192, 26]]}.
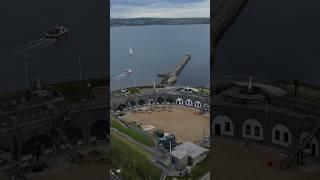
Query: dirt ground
{"points": [[82, 172], [235, 161], [182, 122], [90, 168]]}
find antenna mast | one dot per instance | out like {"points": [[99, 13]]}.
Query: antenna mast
{"points": [[25, 72]]}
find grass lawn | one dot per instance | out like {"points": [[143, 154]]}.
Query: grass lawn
{"points": [[144, 139], [75, 90], [305, 91], [198, 170], [133, 90], [204, 91], [132, 160]]}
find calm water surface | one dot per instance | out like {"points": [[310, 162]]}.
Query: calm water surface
{"points": [[157, 49]]}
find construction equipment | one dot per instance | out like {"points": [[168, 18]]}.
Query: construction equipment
{"points": [[75, 156], [297, 155]]}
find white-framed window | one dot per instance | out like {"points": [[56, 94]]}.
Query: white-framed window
{"points": [[252, 129], [188, 102], [223, 125], [197, 104], [179, 101], [281, 135]]}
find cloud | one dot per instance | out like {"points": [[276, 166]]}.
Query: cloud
{"points": [[160, 8], [148, 2]]}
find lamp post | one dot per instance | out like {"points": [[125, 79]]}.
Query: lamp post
{"points": [[266, 109], [26, 72]]}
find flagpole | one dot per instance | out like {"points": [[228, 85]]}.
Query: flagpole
{"points": [[134, 81]]}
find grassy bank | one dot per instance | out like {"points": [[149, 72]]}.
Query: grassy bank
{"points": [[132, 160], [142, 138], [200, 169]]}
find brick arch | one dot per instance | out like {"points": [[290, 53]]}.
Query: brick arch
{"points": [[5, 147], [44, 141], [6, 154], [170, 100], [151, 100], [132, 103], [141, 102], [6, 143], [183, 99], [73, 133], [160, 100], [100, 128], [121, 107]]}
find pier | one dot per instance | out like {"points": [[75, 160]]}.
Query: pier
{"points": [[171, 78], [224, 13]]}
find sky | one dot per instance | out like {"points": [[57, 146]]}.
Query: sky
{"points": [[159, 8]]}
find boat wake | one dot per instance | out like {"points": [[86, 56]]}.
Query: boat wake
{"points": [[124, 74], [34, 44]]}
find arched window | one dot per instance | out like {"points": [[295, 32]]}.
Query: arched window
{"points": [[179, 101], [188, 102], [252, 129], [222, 125], [281, 135], [197, 104]]}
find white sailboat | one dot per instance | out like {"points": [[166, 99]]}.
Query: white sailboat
{"points": [[130, 51]]}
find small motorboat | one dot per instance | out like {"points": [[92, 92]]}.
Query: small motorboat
{"points": [[57, 32], [127, 72]]}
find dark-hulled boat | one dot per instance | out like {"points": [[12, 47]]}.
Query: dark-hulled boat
{"points": [[57, 32]]}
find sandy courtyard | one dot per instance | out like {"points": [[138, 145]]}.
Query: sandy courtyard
{"points": [[182, 122], [234, 161]]}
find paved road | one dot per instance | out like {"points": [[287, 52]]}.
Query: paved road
{"points": [[114, 177]]}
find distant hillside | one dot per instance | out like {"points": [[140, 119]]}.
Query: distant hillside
{"points": [[157, 21]]}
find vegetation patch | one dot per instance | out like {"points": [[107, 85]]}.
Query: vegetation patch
{"points": [[204, 91], [131, 160], [305, 91], [142, 138], [133, 90], [76, 90]]}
